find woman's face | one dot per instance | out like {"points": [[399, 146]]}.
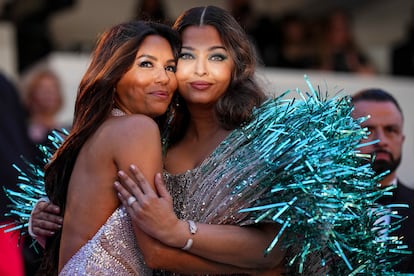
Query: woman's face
{"points": [[205, 67], [45, 97], [148, 86]]}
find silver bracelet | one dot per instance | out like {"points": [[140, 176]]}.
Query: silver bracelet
{"points": [[193, 229], [188, 245]]}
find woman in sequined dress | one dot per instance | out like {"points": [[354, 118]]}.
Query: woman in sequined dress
{"points": [[129, 83], [215, 73], [218, 93]]}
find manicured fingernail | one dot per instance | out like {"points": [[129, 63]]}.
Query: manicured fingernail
{"points": [[121, 173], [116, 183], [133, 167]]}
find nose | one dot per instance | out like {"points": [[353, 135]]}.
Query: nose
{"points": [[200, 67], [378, 134], [162, 76]]}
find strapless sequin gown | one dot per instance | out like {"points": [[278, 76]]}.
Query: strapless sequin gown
{"points": [[112, 251]]}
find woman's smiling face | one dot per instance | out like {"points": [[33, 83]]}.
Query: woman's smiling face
{"points": [[205, 67], [148, 86]]}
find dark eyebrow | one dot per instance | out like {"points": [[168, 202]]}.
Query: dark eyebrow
{"points": [[210, 49], [153, 58]]}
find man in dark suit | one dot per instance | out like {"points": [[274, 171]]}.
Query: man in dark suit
{"points": [[386, 125], [14, 142]]}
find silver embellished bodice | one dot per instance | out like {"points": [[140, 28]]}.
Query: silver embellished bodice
{"points": [[210, 193], [112, 251], [219, 188]]}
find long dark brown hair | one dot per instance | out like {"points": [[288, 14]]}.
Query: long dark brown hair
{"points": [[235, 107], [113, 56]]}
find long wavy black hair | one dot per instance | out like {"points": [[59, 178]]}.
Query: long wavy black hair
{"points": [[114, 54]]}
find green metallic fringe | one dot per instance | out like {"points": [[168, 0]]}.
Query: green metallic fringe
{"points": [[31, 186], [321, 190]]}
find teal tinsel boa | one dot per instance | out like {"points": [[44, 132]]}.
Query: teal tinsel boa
{"points": [[31, 184], [320, 189]]}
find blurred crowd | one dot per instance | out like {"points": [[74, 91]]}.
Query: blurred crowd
{"points": [[325, 42], [291, 40], [295, 41]]}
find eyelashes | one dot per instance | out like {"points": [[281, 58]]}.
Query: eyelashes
{"points": [[212, 57]]}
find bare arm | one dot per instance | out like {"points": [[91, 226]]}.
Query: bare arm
{"points": [[230, 244], [160, 256]]}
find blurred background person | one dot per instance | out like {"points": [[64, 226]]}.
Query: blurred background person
{"points": [[31, 21], [262, 30], [43, 99], [386, 124], [402, 53], [338, 49], [295, 50], [243, 12], [153, 10]]}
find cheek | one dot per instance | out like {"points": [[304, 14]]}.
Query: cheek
{"points": [[225, 80], [399, 142], [369, 148], [183, 72], [173, 84], [129, 83], [181, 78], [366, 149], [224, 74]]}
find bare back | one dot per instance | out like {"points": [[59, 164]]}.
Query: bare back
{"points": [[91, 198]]}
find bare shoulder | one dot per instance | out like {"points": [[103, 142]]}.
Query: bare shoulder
{"points": [[135, 139], [133, 125]]}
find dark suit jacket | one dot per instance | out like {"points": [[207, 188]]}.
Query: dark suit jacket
{"points": [[405, 195], [14, 140]]}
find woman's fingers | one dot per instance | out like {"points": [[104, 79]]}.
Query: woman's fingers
{"points": [[45, 228], [123, 194], [50, 208], [141, 180], [130, 185], [45, 219], [160, 187]]}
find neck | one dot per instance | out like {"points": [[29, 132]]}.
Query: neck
{"points": [[203, 123]]}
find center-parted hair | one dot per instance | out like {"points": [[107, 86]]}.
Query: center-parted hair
{"points": [[235, 107]]}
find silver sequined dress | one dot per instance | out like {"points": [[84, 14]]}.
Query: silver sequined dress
{"points": [[112, 251], [227, 181], [210, 193]]}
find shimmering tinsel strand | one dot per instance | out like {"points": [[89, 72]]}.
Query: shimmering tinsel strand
{"points": [[31, 184]]}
